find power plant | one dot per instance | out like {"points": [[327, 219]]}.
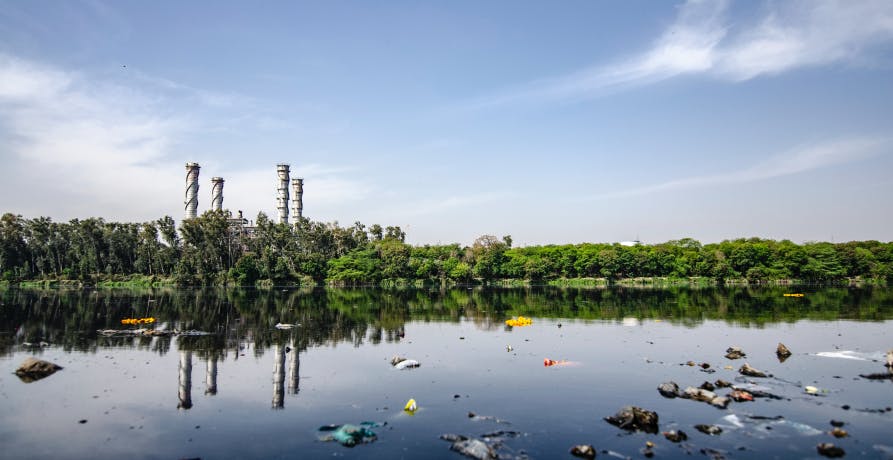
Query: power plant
{"points": [[282, 195], [297, 186], [191, 201], [217, 193]]}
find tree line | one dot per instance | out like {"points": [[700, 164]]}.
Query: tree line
{"points": [[212, 250]]}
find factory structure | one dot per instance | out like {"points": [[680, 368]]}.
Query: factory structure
{"points": [[282, 197]]}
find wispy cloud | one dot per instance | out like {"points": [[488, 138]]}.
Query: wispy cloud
{"points": [[796, 161], [75, 145], [704, 41], [444, 204]]}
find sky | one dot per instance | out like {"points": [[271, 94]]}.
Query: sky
{"points": [[555, 123]]}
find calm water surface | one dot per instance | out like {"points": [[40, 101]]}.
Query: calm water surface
{"points": [[250, 390]]}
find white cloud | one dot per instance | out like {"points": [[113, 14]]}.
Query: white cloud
{"points": [[703, 41], [76, 146], [796, 161]]}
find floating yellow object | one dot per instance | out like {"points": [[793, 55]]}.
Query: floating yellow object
{"points": [[410, 406], [794, 295], [136, 321], [812, 390], [520, 321]]}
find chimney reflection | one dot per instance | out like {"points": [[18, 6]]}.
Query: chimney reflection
{"points": [[211, 376], [278, 376], [185, 382], [294, 364]]}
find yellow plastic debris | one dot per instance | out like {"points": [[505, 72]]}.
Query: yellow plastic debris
{"points": [[811, 390], [520, 321], [410, 406]]}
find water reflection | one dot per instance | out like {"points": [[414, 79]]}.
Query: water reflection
{"points": [[348, 378], [294, 364], [185, 381], [211, 376], [240, 319], [278, 376]]}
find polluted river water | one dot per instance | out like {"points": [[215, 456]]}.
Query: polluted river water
{"points": [[290, 373]]}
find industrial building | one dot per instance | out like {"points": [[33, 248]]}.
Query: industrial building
{"points": [[239, 223]]}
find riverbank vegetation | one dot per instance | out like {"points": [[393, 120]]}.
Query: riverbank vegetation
{"points": [[212, 250]]}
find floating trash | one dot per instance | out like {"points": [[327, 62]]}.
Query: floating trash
{"points": [[135, 321], [830, 450], [350, 435], [797, 294], [551, 362], [410, 407], [284, 326], [519, 321], [632, 418], [711, 430], [675, 435], [583, 450], [846, 354], [400, 362], [735, 353]]}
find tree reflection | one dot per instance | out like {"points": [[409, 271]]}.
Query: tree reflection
{"points": [[238, 319]]}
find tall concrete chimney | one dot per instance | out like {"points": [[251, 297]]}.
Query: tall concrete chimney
{"points": [[297, 206], [217, 193], [191, 190], [282, 195]]}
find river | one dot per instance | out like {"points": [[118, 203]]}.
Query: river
{"points": [[223, 381]]}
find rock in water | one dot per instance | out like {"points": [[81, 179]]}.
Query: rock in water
{"points": [[474, 448], [721, 402], [735, 353], [634, 418], [782, 352], [35, 369], [699, 394], [583, 450], [878, 376], [668, 389], [749, 371], [675, 436], [712, 430], [830, 450]]}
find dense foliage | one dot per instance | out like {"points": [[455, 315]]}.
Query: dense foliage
{"points": [[211, 250]]}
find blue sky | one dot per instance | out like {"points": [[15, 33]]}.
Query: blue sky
{"points": [[553, 122]]}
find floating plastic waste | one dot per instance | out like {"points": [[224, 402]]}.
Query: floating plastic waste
{"points": [[400, 362], [847, 354], [135, 321], [284, 326], [519, 321], [765, 427], [411, 406], [350, 435]]}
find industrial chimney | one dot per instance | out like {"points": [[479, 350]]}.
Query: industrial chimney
{"points": [[191, 190], [217, 193], [282, 196], [297, 208]]}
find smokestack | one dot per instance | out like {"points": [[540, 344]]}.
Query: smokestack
{"points": [[282, 197], [217, 193], [191, 190], [297, 208]]}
